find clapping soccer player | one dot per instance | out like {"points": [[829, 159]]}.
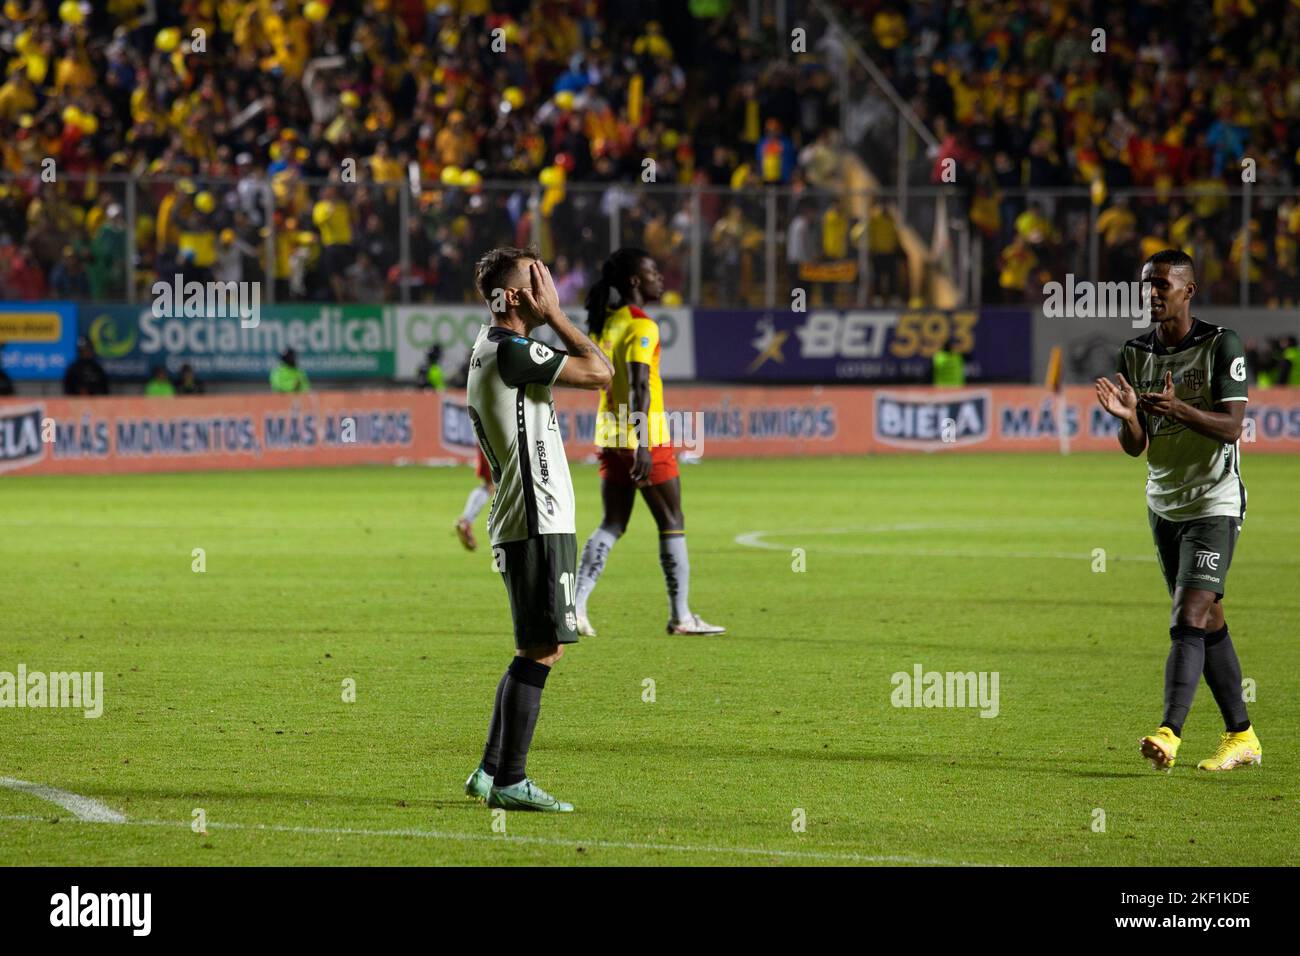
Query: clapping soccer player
{"points": [[1180, 395], [530, 525], [632, 433]]}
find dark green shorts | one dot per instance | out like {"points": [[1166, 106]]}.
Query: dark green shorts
{"points": [[1197, 553], [541, 577]]}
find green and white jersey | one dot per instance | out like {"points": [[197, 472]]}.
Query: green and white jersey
{"points": [[1190, 476], [509, 397]]}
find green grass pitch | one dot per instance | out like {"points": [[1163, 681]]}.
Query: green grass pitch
{"points": [[224, 689]]}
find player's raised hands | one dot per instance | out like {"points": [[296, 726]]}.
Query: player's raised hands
{"points": [[1162, 402], [540, 298], [1120, 400]]}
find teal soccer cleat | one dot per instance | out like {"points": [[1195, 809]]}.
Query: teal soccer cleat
{"points": [[479, 784], [526, 795]]}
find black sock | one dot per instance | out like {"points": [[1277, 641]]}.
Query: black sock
{"points": [[1223, 674], [521, 700], [492, 749], [1182, 673]]}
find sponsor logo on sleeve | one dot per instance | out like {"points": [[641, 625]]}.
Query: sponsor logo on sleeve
{"points": [[1238, 369], [539, 353]]}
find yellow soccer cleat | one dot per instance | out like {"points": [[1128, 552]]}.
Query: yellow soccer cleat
{"points": [[1235, 750], [1161, 748]]}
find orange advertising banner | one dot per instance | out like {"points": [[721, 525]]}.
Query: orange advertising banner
{"points": [[116, 435], [68, 436], [759, 421]]}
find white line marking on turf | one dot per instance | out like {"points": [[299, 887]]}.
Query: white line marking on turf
{"points": [[83, 808], [754, 539], [537, 841]]}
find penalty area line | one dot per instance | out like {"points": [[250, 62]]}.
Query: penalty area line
{"points": [[534, 841]]}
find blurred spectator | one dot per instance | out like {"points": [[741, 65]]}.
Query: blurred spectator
{"points": [[430, 374], [1016, 265], [775, 156], [1288, 368], [108, 256], [69, 279], [85, 376], [187, 383], [886, 255], [364, 281], [570, 280], [287, 377], [800, 247], [6, 383], [949, 367], [334, 220], [159, 384]]}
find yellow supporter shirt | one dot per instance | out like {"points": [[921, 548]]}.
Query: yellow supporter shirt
{"points": [[334, 222], [201, 242], [630, 336]]}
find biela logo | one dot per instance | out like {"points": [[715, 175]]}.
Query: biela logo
{"points": [[134, 910], [56, 689], [950, 689], [1207, 559], [230, 300], [1084, 299]]}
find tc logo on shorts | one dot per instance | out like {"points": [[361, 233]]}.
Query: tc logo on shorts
{"points": [[1194, 378], [1238, 369], [499, 559], [1207, 559], [539, 352]]}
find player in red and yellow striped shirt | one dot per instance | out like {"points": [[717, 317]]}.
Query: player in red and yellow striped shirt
{"points": [[633, 436]]}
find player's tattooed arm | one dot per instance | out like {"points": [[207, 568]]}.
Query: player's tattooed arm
{"points": [[1223, 426], [1121, 400]]}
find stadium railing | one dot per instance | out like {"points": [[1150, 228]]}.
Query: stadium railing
{"points": [[718, 247]]}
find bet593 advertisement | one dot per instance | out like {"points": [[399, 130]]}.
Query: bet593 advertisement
{"points": [[867, 345]]}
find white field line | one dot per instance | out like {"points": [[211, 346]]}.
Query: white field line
{"points": [[754, 539], [83, 808], [810, 855]]}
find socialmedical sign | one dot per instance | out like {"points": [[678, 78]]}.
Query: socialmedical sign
{"points": [[332, 341]]}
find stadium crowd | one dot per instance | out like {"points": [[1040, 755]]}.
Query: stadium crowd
{"points": [[249, 118]]}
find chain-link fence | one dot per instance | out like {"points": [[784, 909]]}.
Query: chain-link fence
{"points": [[110, 238]]}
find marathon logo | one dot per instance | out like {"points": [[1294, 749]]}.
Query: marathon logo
{"points": [[931, 421], [20, 438]]}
